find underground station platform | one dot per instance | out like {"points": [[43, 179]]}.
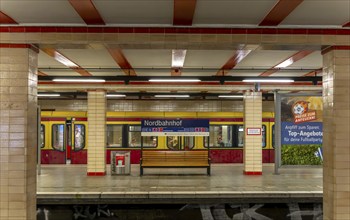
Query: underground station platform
{"points": [[69, 184]]}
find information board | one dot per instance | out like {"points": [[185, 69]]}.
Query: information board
{"points": [[175, 127]]}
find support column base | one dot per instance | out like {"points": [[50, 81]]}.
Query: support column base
{"points": [[252, 173], [96, 173]]}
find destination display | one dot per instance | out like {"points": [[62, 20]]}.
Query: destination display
{"points": [[175, 127]]}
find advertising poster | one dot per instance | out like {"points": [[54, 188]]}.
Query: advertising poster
{"points": [[301, 130]]}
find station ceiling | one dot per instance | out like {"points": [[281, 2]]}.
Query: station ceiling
{"points": [[254, 60]]}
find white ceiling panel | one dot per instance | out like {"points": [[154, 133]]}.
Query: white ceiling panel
{"points": [[41, 12], [90, 58], [46, 61], [136, 11], [61, 73], [313, 60], [320, 12], [290, 74], [264, 58], [148, 58], [207, 58], [233, 12]]}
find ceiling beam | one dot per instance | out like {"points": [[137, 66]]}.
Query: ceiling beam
{"points": [[58, 56], [314, 72], [347, 24], [41, 73], [233, 61], [184, 12], [279, 12], [5, 19], [120, 59], [287, 62], [87, 11]]}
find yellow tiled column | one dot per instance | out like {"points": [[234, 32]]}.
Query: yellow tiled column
{"points": [[336, 130], [96, 133], [252, 136], [18, 136]]}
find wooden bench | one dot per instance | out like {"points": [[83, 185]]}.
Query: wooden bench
{"points": [[173, 159]]}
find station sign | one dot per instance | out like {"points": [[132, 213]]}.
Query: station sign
{"points": [[175, 127], [253, 131]]}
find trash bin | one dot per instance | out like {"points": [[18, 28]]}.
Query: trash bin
{"points": [[120, 163]]}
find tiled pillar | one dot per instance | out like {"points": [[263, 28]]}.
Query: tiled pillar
{"points": [[252, 141], [18, 131], [96, 133], [336, 130]]}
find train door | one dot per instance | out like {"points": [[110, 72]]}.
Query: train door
{"points": [[180, 142], [78, 142], [57, 153]]}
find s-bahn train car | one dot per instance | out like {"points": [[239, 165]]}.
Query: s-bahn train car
{"points": [[64, 136]]}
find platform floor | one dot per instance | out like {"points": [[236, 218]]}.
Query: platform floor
{"points": [[226, 181]]}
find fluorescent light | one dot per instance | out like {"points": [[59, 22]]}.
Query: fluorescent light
{"points": [[171, 96], [285, 63], [48, 95], [269, 80], [174, 80], [115, 95], [178, 58], [79, 80], [230, 96]]}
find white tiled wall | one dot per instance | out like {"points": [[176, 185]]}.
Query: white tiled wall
{"points": [[18, 137], [336, 144], [252, 119]]}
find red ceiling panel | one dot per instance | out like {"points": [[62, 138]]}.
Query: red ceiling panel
{"points": [[183, 12], [87, 11], [279, 12], [5, 19], [121, 60]]}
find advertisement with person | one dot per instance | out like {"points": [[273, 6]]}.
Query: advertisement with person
{"points": [[301, 130]]}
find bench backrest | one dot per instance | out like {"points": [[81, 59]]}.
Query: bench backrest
{"points": [[175, 155]]}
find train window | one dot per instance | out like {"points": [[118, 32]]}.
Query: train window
{"points": [[180, 142], [134, 136], [58, 137], [151, 141], [189, 142], [173, 142], [42, 136], [263, 134], [220, 136], [240, 135], [79, 137], [114, 135]]}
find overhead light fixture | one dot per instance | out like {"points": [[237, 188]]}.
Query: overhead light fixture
{"points": [[48, 95], [115, 95], [174, 80], [79, 80], [178, 58], [172, 96], [285, 63], [230, 96], [269, 80]]}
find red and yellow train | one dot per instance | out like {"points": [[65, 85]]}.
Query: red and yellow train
{"points": [[64, 136]]}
